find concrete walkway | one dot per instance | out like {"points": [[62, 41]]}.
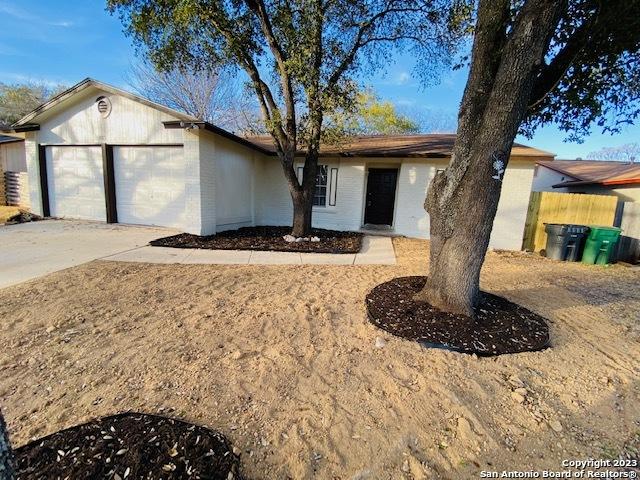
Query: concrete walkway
{"points": [[30, 250], [375, 251]]}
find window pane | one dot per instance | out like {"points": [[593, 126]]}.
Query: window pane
{"points": [[320, 194]]}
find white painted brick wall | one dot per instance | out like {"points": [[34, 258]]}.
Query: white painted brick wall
{"points": [[273, 202], [192, 188], [31, 157], [207, 152], [410, 218], [508, 226], [234, 180]]}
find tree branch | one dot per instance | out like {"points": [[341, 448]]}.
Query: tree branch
{"points": [[358, 43], [551, 74], [258, 7]]}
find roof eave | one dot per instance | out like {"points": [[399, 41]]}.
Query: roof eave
{"points": [[29, 127], [603, 183], [201, 125], [628, 181]]}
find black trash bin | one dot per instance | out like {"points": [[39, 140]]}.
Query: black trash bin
{"points": [[565, 241]]}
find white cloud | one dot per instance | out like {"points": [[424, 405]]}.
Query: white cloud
{"points": [[402, 78], [13, 77], [21, 14]]}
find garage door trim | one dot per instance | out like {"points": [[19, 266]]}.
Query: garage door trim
{"points": [[108, 174]]}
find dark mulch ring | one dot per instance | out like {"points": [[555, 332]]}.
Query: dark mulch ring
{"points": [[23, 217], [499, 326], [267, 238], [129, 446]]}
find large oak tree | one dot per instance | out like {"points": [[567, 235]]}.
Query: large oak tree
{"points": [[570, 62], [303, 57], [6, 455]]}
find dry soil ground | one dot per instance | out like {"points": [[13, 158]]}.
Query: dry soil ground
{"points": [[7, 212], [283, 361]]}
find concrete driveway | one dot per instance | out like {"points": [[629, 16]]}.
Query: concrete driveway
{"points": [[30, 250]]}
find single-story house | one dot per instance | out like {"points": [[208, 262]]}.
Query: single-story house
{"points": [[13, 172], [597, 177], [100, 153]]}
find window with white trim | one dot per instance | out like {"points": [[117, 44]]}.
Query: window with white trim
{"points": [[325, 189], [320, 194]]}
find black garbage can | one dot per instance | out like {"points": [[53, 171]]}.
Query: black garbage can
{"points": [[565, 241]]}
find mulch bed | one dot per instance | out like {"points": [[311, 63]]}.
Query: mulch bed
{"points": [[499, 326], [129, 446], [266, 239]]}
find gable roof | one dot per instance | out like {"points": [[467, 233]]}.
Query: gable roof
{"points": [[436, 145], [430, 145], [595, 172], [29, 121], [90, 82]]}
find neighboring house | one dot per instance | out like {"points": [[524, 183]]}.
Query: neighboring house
{"points": [[96, 152], [589, 176], [13, 172], [12, 158]]}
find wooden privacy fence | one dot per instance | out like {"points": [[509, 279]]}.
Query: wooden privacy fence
{"points": [[575, 208]]}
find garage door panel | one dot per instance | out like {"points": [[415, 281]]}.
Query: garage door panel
{"points": [[75, 181], [150, 185]]}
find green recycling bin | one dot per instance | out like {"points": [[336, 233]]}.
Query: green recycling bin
{"points": [[600, 245]]}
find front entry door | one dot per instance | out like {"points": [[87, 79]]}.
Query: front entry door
{"points": [[381, 196]]}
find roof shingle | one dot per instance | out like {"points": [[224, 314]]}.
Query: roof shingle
{"points": [[595, 172], [437, 145]]}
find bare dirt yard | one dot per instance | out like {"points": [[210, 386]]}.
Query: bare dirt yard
{"points": [[282, 360]]}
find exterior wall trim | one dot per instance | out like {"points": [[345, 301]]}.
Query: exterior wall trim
{"points": [[44, 180], [108, 176]]}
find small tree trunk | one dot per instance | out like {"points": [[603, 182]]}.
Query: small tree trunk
{"points": [[301, 194], [6, 455], [302, 213]]}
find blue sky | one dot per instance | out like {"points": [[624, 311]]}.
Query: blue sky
{"points": [[66, 41]]}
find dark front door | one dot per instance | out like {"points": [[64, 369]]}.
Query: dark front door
{"points": [[381, 196]]}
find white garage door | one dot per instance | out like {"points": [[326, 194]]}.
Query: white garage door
{"points": [[76, 184], [150, 183]]}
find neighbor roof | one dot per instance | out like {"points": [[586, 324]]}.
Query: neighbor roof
{"points": [[595, 172], [437, 145]]}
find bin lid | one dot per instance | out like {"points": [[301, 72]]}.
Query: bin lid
{"points": [[605, 229]]}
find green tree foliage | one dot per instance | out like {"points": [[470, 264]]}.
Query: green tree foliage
{"points": [[371, 116], [302, 56], [19, 99], [591, 73]]}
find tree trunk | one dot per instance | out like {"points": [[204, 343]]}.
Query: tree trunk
{"points": [[461, 228], [301, 194], [462, 201], [302, 213], [6, 455]]}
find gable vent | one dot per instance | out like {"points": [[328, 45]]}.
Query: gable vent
{"points": [[104, 106]]}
